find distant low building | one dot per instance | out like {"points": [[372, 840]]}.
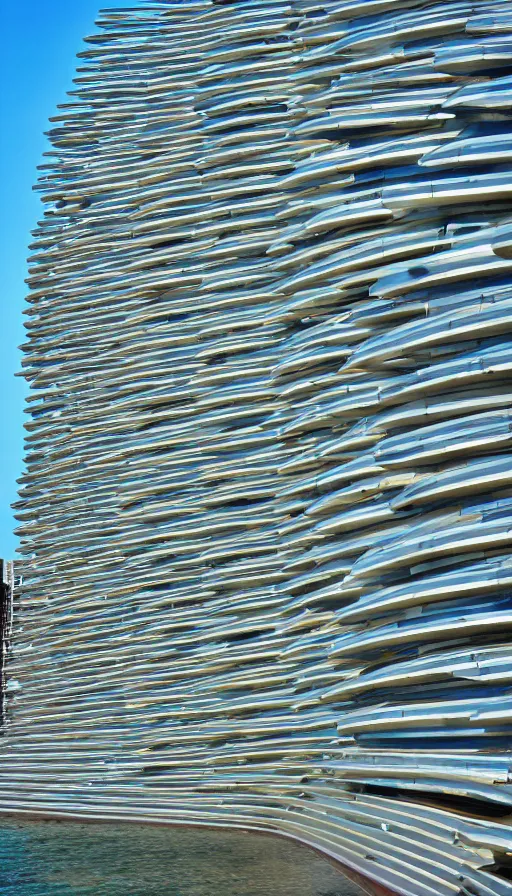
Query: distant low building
{"points": [[6, 598]]}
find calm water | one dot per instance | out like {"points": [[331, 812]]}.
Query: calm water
{"points": [[62, 859]]}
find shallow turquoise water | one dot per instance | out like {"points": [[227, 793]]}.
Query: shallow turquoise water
{"points": [[68, 859]]}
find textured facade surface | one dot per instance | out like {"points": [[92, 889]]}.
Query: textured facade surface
{"points": [[267, 514]]}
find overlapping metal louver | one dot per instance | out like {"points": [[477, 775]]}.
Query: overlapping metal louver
{"points": [[267, 514]]}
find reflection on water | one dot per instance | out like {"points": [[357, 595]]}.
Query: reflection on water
{"points": [[63, 859]]}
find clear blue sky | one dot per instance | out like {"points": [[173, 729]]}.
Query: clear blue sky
{"points": [[39, 45]]}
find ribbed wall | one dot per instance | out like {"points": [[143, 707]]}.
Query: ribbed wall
{"points": [[267, 514]]}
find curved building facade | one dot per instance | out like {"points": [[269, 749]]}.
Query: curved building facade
{"points": [[267, 513]]}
